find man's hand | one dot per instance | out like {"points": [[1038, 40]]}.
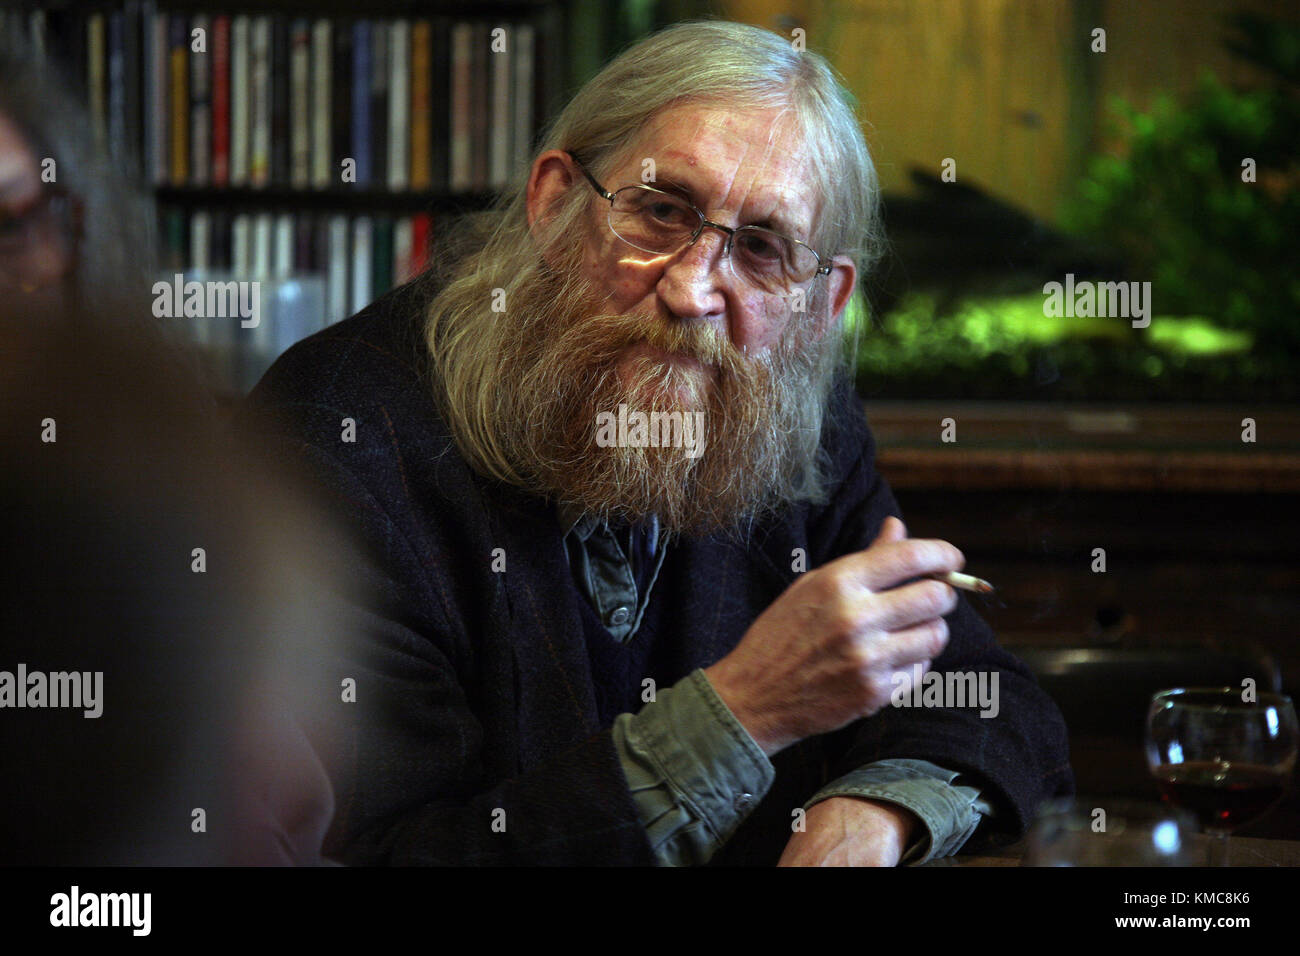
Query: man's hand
{"points": [[836, 644], [851, 831]]}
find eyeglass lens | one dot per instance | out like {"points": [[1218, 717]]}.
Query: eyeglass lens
{"points": [[661, 223]]}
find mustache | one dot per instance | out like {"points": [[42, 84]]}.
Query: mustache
{"points": [[610, 335]]}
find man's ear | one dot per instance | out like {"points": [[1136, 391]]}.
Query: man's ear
{"points": [[553, 173], [841, 283]]}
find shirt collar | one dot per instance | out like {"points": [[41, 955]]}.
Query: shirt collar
{"points": [[575, 520]]}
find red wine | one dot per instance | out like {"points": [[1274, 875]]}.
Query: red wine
{"points": [[1223, 796]]}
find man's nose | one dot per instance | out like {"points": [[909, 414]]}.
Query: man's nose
{"points": [[691, 279]]}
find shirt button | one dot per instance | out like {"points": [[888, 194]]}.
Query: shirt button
{"points": [[744, 802], [619, 616]]}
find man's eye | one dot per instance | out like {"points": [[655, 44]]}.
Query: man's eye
{"points": [[666, 212], [761, 248]]}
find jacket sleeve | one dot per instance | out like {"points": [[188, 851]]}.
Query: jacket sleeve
{"points": [[1019, 757]]}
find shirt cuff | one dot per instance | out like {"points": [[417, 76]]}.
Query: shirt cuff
{"points": [[694, 771], [949, 806]]}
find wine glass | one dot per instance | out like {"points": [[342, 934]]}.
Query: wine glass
{"points": [[1226, 755]]}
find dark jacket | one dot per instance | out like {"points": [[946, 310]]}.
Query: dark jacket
{"points": [[474, 689]]}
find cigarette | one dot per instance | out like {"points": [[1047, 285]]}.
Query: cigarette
{"points": [[964, 582]]}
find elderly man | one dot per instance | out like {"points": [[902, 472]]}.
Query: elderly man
{"points": [[641, 595]]}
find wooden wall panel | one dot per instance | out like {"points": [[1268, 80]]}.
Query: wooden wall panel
{"points": [[1008, 88]]}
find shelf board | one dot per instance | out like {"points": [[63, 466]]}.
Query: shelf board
{"points": [[1129, 448], [342, 198]]}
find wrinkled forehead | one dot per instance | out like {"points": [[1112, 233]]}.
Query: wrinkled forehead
{"points": [[733, 160]]}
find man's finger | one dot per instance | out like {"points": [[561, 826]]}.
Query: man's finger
{"points": [[914, 645], [891, 529], [908, 606], [885, 565]]}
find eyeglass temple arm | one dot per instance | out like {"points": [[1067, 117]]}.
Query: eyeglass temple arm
{"points": [[605, 194]]}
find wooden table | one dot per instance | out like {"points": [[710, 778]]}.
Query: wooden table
{"points": [[1242, 851]]}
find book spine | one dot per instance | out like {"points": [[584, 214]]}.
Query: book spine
{"points": [[524, 92], [263, 234], [159, 113], [294, 319], [219, 251], [221, 101], [381, 272], [421, 241], [421, 107], [337, 267], [341, 104], [133, 79], [279, 174], [480, 86], [402, 271], [200, 242], [300, 104], [304, 244], [379, 78], [240, 107], [499, 157], [241, 247], [200, 264], [322, 55], [282, 261], [259, 158], [95, 68], [440, 105], [180, 101], [116, 83], [362, 50], [462, 40], [362, 262], [200, 107], [399, 105], [173, 240], [262, 340]]}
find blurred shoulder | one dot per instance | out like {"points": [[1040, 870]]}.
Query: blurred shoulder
{"points": [[376, 355]]}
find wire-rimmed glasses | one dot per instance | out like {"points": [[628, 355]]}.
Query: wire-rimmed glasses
{"points": [[663, 223]]}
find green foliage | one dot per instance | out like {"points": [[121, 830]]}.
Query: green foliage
{"points": [[1177, 207], [1001, 347], [1218, 251]]}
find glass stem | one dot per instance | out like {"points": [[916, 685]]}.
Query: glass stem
{"points": [[1217, 851]]}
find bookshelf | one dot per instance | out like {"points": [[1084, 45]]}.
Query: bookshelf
{"points": [[309, 146]]}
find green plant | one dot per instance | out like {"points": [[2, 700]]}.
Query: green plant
{"points": [[1214, 238]]}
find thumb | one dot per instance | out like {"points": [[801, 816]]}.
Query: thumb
{"points": [[891, 529]]}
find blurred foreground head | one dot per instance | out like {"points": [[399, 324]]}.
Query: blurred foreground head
{"points": [[161, 645], [148, 558]]}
